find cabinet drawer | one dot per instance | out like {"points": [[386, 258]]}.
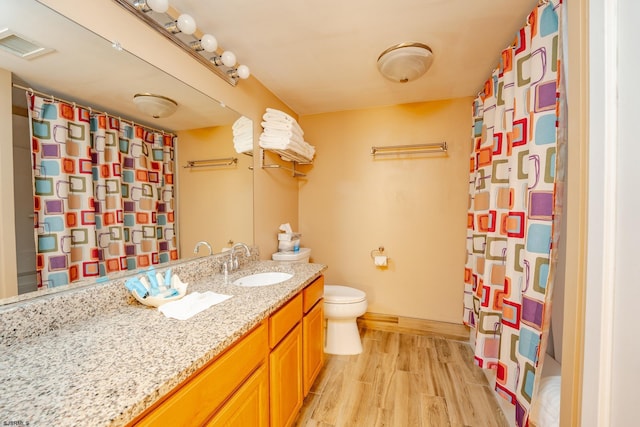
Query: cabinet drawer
{"points": [[312, 293], [283, 320], [197, 398]]}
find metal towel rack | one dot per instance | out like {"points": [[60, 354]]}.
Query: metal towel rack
{"points": [[294, 160], [226, 161], [409, 149]]}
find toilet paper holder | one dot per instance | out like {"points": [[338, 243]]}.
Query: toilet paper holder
{"points": [[377, 252], [380, 259]]}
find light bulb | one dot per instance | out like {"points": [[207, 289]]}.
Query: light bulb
{"points": [[186, 24], [243, 72], [160, 6], [228, 58], [209, 43]]}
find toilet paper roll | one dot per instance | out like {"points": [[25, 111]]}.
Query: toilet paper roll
{"points": [[380, 260]]}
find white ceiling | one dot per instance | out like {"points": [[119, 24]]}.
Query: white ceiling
{"points": [[315, 56], [320, 56]]}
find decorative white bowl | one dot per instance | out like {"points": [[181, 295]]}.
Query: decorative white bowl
{"points": [[158, 300]]}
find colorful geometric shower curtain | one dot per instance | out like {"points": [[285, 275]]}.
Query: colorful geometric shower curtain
{"points": [[103, 193], [511, 208]]}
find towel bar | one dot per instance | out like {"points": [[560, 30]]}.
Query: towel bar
{"points": [[227, 161], [409, 149], [294, 173]]}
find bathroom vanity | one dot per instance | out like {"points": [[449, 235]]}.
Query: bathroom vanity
{"points": [[260, 380], [249, 360]]}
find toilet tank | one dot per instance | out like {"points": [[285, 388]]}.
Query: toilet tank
{"points": [[302, 256]]}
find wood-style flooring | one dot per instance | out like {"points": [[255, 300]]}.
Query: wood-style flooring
{"points": [[402, 380]]}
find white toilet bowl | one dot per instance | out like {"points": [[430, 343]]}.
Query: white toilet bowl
{"points": [[342, 305]]}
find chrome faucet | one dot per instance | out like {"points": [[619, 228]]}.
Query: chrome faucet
{"points": [[232, 263], [195, 250]]}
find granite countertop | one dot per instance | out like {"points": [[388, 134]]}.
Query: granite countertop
{"points": [[107, 368]]}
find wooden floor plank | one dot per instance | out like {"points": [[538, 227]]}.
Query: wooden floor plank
{"points": [[402, 379]]}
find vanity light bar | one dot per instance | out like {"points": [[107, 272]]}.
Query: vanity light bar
{"points": [[182, 27]]}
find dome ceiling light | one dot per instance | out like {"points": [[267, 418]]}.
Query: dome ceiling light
{"points": [[157, 106], [405, 62]]}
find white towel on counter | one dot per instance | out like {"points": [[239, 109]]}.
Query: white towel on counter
{"points": [[191, 304]]}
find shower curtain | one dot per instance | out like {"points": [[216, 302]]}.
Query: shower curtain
{"points": [[512, 208], [103, 193]]}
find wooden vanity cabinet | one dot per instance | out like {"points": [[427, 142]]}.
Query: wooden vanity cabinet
{"points": [[312, 333], [204, 393], [261, 380], [296, 338], [285, 363], [249, 406]]}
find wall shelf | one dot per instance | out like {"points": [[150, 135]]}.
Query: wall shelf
{"points": [[295, 159]]}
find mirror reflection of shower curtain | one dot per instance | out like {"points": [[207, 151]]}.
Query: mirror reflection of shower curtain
{"points": [[101, 191], [512, 228]]}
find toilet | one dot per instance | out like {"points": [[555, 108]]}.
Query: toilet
{"points": [[342, 306]]}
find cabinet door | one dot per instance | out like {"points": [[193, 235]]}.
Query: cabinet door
{"points": [[202, 394], [313, 344], [285, 379], [249, 406]]}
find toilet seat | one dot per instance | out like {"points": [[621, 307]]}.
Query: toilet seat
{"points": [[336, 294]]}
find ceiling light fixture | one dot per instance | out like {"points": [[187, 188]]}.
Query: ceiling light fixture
{"points": [[181, 29], [157, 106], [405, 62]]}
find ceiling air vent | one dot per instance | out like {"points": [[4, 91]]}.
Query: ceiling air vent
{"points": [[20, 46]]}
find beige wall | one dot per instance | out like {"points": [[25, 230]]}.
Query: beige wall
{"points": [[215, 204], [414, 206]]}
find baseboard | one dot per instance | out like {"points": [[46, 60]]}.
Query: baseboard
{"points": [[409, 325]]}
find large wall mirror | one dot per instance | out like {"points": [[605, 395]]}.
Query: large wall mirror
{"points": [[214, 202]]}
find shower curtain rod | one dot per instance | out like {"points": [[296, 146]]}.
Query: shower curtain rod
{"points": [[56, 98]]}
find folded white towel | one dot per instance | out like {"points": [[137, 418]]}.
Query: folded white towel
{"points": [[243, 139], [243, 148], [191, 304], [285, 133], [303, 148], [242, 122], [277, 114], [281, 124]]}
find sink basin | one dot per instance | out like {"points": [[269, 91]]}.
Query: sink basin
{"points": [[263, 279]]}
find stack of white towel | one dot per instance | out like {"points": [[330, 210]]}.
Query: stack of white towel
{"points": [[282, 132], [243, 135]]}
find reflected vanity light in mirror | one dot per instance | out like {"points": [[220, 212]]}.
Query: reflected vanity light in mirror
{"points": [[99, 86]]}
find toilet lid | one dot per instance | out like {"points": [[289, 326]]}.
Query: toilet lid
{"points": [[343, 294]]}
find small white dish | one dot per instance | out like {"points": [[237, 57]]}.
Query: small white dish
{"points": [[156, 301]]}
